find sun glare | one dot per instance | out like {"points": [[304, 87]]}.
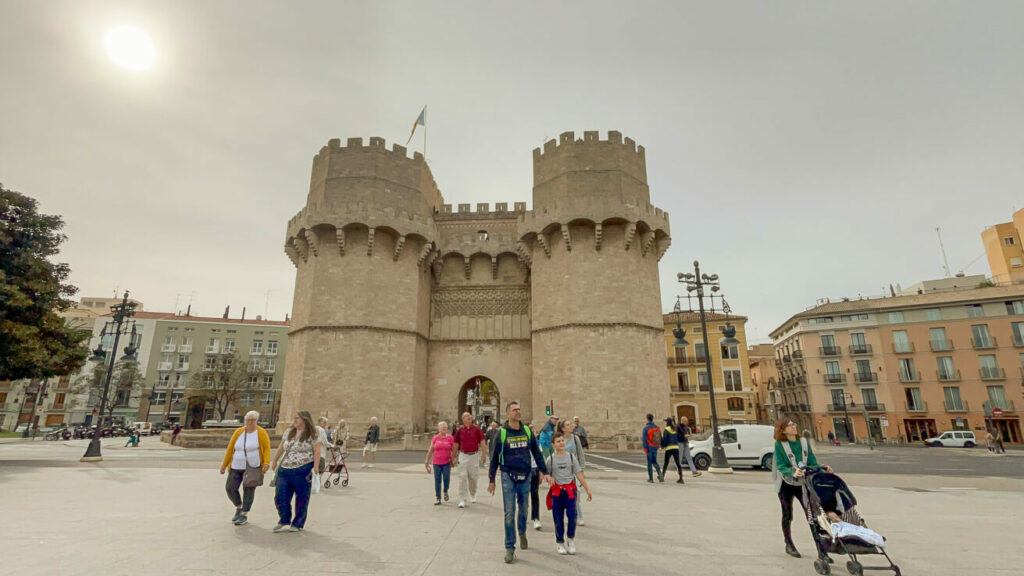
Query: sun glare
{"points": [[130, 48]]}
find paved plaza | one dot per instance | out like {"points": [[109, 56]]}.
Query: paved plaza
{"points": [[162, 510]]}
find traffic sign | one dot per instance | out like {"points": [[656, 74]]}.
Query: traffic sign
{"points": [[997, 412]]}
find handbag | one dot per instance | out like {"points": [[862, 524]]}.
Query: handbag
{"points": [[273, 481], [253, 475]]}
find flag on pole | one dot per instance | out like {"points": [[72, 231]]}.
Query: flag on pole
{"points": [[421, 120]]}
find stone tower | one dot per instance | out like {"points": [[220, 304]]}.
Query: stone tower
{"points": [[362, 248], [413, 312], [594, 241]]}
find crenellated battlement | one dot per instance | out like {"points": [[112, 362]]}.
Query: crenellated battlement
{"points": [[611, 171], [483, 211], [590, 138]]}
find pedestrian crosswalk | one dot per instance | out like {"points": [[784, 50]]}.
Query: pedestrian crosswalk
{"points": [[600, 467]]}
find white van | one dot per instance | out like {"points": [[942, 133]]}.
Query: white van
{"points": [[744, 444], [958, 439]]}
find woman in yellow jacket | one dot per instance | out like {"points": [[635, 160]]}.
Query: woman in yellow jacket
{"points": [[249, 446]]}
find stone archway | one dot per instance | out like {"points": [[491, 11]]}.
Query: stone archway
{"points": [[485, 401]]}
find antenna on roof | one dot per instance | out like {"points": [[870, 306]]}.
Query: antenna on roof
{"points": [[266, 305], [945, 261]]}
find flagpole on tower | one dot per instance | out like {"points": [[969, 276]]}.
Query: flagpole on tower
{"points": [[424, 116]]}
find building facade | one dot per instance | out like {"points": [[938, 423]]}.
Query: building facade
{"points": [[403, 304], [1004, 250], [764, 376], [908, 367], [730, 371]]}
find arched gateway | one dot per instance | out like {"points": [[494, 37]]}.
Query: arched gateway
{"points": [[480, 397]]}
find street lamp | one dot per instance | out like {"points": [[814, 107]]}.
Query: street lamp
{"points": [[119, 325], [697, 282]]}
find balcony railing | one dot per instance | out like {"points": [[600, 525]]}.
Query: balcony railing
{"points": [[839, 408], [1004, 405], [860, 349], [873, 407], [984, 343], [903, 347], [212, 349], [58, 406], [918, 407], [992, 373], [940, 345], [787, 359], [961, 406], [797, 354], [185, 349], [164, 366], [168, 348], [802, 407], [948, 376], [865, 377], [269, 369], [830, 351], [672, 360], [254, 352], [834, 378], [910, 376], [271, 352], [182, 367], [801, 379]]}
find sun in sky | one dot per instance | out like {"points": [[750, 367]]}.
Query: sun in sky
{"points": [[130, 47]]}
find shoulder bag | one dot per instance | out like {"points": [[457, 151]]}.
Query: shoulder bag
{"points": [[277, 471], [253, 475]]}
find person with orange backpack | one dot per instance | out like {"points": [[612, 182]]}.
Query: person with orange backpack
{"points": [[651, 438]]}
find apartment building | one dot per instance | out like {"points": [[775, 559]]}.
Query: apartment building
{"points": [[730, 372], [1004, 250], [942, 355], [186, 346]]}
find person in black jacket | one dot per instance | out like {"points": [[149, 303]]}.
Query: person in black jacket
{"points": [[670, 443], [513, 449]]}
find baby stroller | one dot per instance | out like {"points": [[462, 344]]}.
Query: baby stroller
{"points": [[823, 493], [337, 470]]}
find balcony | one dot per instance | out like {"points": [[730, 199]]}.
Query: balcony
{"points": [[255, 352], [839, 408], [185, 349], [58, 406], [1004, 405], [903, 348], [860, 349], [948, 376], [164, 366], [802, 407], [918, 407], [271, 352], [182, 367], [798, 355], [672, 361], [873, 407], [168, 348], [834, 378], [992, 373], [213, 349], [984, 343], [865, 377], [940, 345], [907, 377], [228, 350], [269, 369], [801, 379], [787, 359], [961, 406], [830, 351]]}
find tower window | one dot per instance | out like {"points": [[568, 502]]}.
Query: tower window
{"points": [[482, 236], [1008, 241]]}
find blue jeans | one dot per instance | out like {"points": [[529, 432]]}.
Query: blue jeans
{"points": [[652, 461], [297, 482], [441, 471], [564, 507], [514, 494], [688, 456]]}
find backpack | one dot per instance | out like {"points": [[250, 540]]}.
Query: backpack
{"points": [[501, 453], [653, 437]]}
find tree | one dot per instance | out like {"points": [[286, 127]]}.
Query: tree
{"points": [[35, 340], [126, 382], [224, 379]]}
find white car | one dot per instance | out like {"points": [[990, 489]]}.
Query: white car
{"points": [[958, 439], [744, 445]]}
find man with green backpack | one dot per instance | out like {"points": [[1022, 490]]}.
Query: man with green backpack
{"points": [[512, 451]]}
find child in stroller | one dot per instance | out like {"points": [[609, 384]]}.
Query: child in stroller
{"points": [[839, 529]]}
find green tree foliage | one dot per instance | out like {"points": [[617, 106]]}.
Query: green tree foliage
{"points": [[35, 342], [224, 379], [126, 383]]}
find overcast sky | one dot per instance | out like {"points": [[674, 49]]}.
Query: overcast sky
{"points": [[802, 149]]}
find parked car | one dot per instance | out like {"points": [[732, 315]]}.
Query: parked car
{"points": [[744, 444], [958, 439]]}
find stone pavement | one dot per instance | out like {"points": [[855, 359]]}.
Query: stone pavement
{"points": [[114, 518]]}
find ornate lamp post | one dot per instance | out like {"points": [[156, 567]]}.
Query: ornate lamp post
{"points": [[697, 282], [119, 325]]}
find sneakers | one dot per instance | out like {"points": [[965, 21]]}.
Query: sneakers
{"points": [[238, 512], [371, 465], [363, 465], [510, 556], [462, 503], [536, 524], [561, 548], [680, 481], [650, 481], [437, 502], [294, 529], [580, 522], [445, 495], [791, 550], [473, 499], [661, 478], [523, 543], [697, 473], [242, 519], [570, 544], [280, 528]]}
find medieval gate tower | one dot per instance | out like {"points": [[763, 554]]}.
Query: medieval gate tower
{"points": [[408, 310]]}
